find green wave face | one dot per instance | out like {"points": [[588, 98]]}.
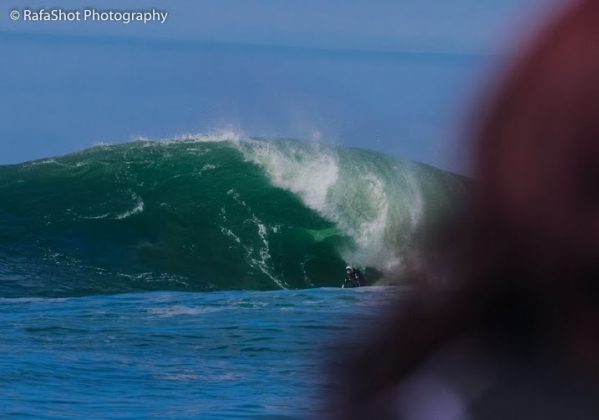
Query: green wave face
{"points": [[208, 215]]}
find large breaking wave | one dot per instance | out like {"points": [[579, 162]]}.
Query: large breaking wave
{"points": [[211, 213]]}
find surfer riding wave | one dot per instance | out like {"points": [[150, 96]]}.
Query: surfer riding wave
{"points": [[353, 278]]}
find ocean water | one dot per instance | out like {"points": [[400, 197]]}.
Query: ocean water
{"points": [[176, 354], [212, 213], [198, 277]]}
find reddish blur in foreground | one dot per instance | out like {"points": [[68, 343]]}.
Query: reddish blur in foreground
{"points": [[516, 335]]}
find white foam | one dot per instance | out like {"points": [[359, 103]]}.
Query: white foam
{"points": [[215, 136], [207, 167], [261, 263], [415, 202], [101, 216], [178, 310], [139, 208], [357, 203], [102, 144], [373, 229], [230, 234], [309, 172], [50, 161]]}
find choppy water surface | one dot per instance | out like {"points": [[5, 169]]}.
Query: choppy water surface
{"points": [[176, 354]]}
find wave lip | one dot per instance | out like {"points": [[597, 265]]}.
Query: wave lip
{"points": [[209, 213], [379, 202]]}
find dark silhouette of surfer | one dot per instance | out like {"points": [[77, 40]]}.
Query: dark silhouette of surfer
{"points": [[353, 278], [513, 331]]}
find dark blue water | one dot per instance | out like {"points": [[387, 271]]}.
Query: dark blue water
{"points": [[171, 354]]}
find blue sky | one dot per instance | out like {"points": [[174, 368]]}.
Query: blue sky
{"points": [[465, 26], [395, 76]]}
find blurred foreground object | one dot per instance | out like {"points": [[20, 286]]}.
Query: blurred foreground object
{"points": [[515, 335]]}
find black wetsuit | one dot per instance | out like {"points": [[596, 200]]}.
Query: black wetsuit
{"points": [[354, 279]]}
